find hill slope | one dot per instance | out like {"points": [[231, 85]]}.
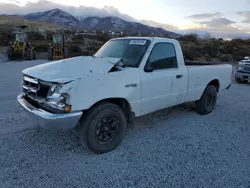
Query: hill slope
{"points": [[14, 21], [62, 18], [55, 16], [117, 24]]}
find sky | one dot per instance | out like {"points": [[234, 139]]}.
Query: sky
{"points": [[211, 15]]}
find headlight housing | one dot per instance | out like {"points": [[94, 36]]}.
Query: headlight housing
{"points": [[57, 100], [240, 66]]}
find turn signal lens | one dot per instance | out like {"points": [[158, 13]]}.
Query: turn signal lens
{"points": [[67, 108]]}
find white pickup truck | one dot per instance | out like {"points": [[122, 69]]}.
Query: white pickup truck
{"points": [[100, 95]]}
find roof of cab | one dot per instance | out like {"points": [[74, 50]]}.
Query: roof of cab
{"points": [[147, 38]]}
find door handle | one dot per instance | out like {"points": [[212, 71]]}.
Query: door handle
{"points": [[179, 76]]}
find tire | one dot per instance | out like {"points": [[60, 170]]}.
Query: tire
{"points": [[244, 81], [65, 53], [10, 53], [34, 54], [50, 54], [93, 132], [208, 100], [238, 80], [28, 54]]}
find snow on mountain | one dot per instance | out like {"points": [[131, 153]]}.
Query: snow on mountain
{"points": [[62, 18], [55, 16], [117, 24]]}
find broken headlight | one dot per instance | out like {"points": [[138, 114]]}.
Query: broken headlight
{"points": [[58, 100]]}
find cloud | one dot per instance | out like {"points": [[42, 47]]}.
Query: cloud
{"points": [[204, 16], [245, 14], [81, 11], [44, 5], [218, 27], [217, 22], [155, 24]]}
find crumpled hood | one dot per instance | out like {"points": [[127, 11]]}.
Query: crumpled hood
{"points": [[71, 69]]}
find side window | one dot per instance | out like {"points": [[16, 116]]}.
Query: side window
{"points": [[163, 56]]}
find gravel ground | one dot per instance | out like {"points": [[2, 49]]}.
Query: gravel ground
{"points": [[171, 148]]}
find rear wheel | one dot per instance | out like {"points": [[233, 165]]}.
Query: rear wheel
{"points": [[34, 54], [102, 128], [29, 54], [65, 53], [50, 54], [10, 53], [208, 100]]}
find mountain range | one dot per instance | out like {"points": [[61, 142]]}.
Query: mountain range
{"points": [[65, 19], [98, 15]]}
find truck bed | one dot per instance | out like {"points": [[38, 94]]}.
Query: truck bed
{"points": [[200, 76]]}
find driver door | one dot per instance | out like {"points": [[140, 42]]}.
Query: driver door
{"points": [[166, 83]]}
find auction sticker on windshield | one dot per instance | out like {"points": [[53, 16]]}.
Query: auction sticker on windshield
{"points": [[138, 42]]}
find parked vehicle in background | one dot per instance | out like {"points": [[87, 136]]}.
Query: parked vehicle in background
{"points": [[58, 48], [242, 74], [128, 77], [21, 47]]}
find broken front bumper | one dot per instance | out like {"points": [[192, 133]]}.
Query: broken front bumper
{"points": [[49, 120]]}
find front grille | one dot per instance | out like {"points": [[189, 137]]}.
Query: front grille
{"points": [[34, 89], [247, 68]]}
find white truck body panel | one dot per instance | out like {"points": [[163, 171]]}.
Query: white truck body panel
{"points": [[71, 69], [89, 80], [198, 79]]}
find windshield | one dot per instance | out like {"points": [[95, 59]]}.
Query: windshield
{"points": [[130, 50], [20, 37], [57, 39]]}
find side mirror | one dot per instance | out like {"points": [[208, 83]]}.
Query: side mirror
{"points": [[148, 68]]}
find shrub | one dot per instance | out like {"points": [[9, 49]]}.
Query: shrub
{"points": [[5, 36], [92, 49], [33, 35], [240, 54], [212, 48], [190, 37], [226, 58], [41, 47], [74, 48], [207, 57]]}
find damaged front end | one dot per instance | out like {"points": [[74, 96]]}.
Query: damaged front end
{"points": [[48, 103], [49, 96]]}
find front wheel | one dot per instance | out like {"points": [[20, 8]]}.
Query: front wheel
{"points": [[238, 80], [208, 100], [102, 128]]}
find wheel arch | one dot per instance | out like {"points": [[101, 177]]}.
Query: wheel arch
{"points": [[123, 104], [215, 83]]}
